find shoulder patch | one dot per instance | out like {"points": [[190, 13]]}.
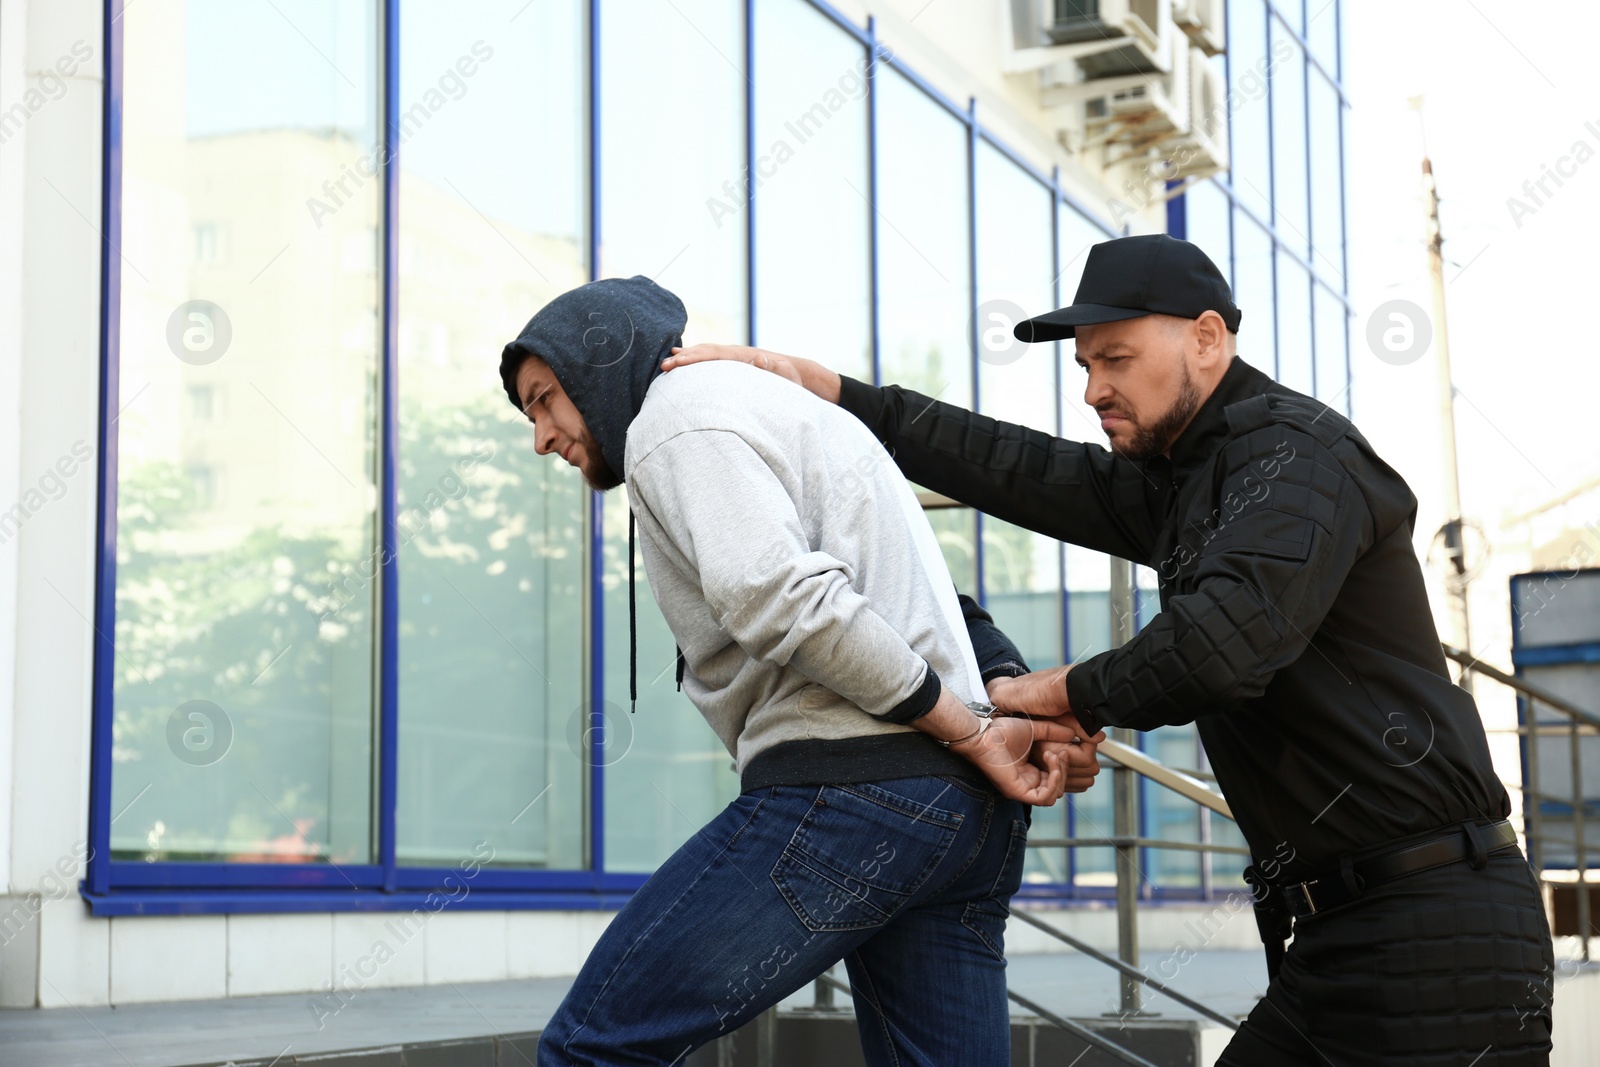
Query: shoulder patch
{"points": [[1247, 415], [1277, 486], [1323, 424], [1303, 476], [1304, 413]]}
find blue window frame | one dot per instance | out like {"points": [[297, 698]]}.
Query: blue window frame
{"points": [[388, 873]]}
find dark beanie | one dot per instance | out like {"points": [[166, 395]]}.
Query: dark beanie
{"points": [[604, 342]]}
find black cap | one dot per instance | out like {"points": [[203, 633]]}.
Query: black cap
{"points": [[1152, 274]]}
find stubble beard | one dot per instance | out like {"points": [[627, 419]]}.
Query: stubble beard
{"points": [[1153, 440], [596, 471], [601, 477]]}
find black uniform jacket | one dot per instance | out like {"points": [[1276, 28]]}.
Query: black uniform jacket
{"points": [[1294, 627]]}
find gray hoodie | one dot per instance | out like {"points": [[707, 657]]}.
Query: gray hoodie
{"points": [[803, 584], [800, 577]]}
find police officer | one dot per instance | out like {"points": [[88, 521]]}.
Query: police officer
{"points": [[1295, 632]]}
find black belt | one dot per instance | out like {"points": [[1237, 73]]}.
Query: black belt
{"points": [[1354, 877]]}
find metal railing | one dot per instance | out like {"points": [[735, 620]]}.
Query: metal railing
{"points": [[1579, 723], [1129, 763]]}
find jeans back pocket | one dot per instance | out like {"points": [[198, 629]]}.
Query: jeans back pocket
{"points": [[987, 915], [859, 854]]}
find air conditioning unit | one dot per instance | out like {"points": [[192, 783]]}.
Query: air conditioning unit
{"points": [[1178, 122], [1202, 148], [1135, 33], [1203, 21], [1132, 113], [1151, 103]]}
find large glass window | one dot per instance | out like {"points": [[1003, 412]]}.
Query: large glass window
{"points": [[1322, 33], [1075, 235], [1088, 602], [1333, 369], [1087, 578], [1307, 193], [1249, 129], [1206, 214], [1292, 12], [252, 437], [1252, 293], [672, 151], [1227, 869], [667, 142], [1289, 140], [924, 312], [246, 498], [1327, 182], [1091, 815], [1294, 325], [1169, 816], [491, 535], [1022, 589], [956, 530], [923, 271], [1017, 383], [812, 265]]}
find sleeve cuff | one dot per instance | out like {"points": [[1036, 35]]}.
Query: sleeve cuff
{"points": [[1008, 669], [1082, 699], [860, 399], [919, 703]]}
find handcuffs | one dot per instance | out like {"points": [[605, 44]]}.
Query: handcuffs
{"points": [[987, 713]]}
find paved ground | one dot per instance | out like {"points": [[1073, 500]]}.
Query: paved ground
{"points": [[1225, 981], [260, 1028]]}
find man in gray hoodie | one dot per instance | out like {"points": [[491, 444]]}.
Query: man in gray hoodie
{"points": [[884, 809]]}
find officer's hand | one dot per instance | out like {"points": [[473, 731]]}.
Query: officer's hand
{"points": [[1043, 695], [1003, 753], [805, 373], [781, 365], [1039, 693]]}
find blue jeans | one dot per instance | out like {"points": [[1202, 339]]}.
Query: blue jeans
{"points": [[908, 881]]}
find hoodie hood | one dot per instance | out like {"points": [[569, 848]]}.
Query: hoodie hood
{"points": [[604, 342]]}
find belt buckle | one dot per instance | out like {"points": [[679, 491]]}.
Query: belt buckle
{"points": [[1305, 893]]}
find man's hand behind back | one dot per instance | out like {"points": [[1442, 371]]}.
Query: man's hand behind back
{"points": [[1078, 760], [1042, 696]]}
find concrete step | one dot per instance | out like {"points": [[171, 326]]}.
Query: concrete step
{"points": [[806, 1038]]}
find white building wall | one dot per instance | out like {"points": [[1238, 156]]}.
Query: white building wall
{"points": [[49, 283], [13, 83]]}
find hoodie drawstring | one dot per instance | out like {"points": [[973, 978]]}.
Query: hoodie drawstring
{"points": [[633, 629], [633, 626]]}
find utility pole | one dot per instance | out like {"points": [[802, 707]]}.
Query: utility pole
{"points": [[1456, 577]]}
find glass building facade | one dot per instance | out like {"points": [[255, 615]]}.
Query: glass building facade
{"points": [[356, 635]]}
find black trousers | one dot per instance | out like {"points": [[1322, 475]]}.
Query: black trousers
{"points": [[1447, 968]]}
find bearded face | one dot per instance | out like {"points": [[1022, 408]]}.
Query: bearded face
{"points": [[1139, 381]]}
